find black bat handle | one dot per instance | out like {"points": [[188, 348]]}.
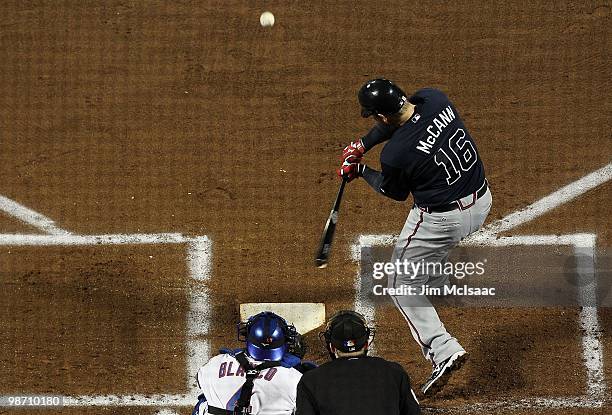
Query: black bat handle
{"points": [[330, 228], [336, 207]]}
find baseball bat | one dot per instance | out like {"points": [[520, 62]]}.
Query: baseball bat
{"points": [[330, 227]]}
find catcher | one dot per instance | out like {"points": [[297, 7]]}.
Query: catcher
{"points": [[259, 379]]}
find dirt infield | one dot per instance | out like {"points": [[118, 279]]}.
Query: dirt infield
{"points": [[133, 117], [117, 313]]}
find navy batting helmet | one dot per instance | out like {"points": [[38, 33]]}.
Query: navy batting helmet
{"points": [[268, 336], [381, 96]]}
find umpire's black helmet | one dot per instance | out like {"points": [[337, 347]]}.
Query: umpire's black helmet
{"points": [[381, 96], [347, 331]]}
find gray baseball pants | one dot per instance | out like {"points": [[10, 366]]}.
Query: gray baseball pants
{"points": [[428, 238]]}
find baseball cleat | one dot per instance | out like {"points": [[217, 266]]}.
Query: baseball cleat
{"points": [[442, 373]]}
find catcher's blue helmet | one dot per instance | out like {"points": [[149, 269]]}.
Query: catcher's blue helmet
{"points": [[267, 336]]}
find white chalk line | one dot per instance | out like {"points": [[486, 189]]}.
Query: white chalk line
{"points": [[592, 350], [550, 202], [200, 268], [197, 319], [584, 248], [30, 217], [92, 240], [521, 404], [183, 400], [159, 400], [199, 254]]}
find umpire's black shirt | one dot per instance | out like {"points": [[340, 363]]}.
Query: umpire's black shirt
{"points": [[364, 385]]}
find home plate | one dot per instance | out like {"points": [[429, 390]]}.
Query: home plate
{"points": [[304, 316]]}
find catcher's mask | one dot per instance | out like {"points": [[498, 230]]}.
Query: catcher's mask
{"points": [[381, 96], [347, 331], [268, 337]]}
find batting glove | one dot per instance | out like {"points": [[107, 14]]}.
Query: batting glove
{"points": [[351, 171], [353, 153]]}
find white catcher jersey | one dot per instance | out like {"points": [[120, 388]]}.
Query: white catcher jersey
{"points": [[274, 391]]}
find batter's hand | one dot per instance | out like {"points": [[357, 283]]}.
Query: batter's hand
{"points": [[353, 153], [351, 170]]}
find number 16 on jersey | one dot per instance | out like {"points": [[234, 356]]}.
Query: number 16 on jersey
{"points": [[460, 152]]}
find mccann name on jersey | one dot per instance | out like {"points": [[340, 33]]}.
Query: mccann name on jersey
{"points": [[440, 122]]}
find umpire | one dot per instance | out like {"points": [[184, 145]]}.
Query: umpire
{"points": [[354, 383]]}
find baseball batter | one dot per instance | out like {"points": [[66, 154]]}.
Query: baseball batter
{"points": [[430, 154], [269, 360]]}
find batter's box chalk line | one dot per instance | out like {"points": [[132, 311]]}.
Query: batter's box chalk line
{"points": [[584, 249], [198, 318], [198, 259]]}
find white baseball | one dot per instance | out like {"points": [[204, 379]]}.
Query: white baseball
{"points": [[266, 19]]}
